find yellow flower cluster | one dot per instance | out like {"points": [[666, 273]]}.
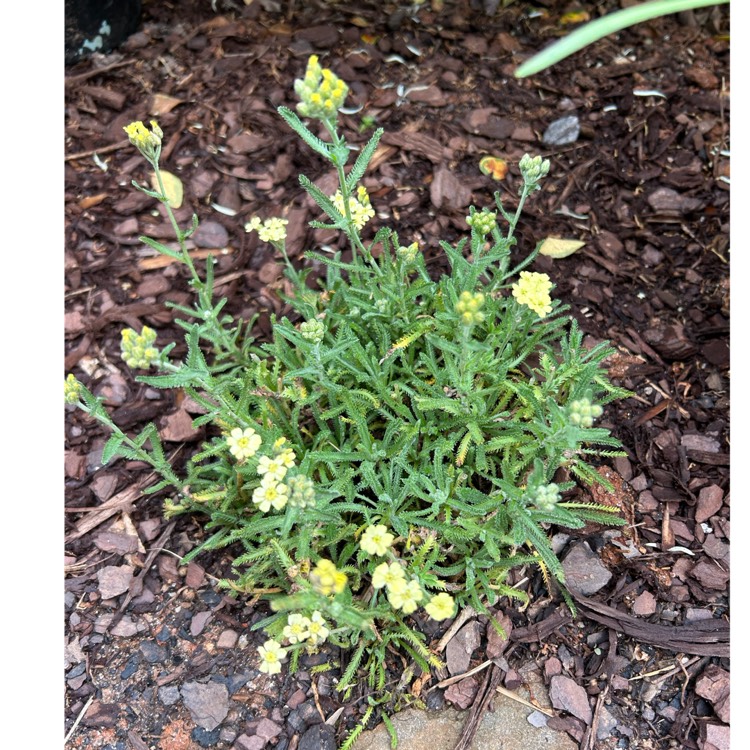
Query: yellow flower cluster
{"points": [[532, 289], [359, 208], [72, 389], [468, 307], [270, 230], [269, 493], [321, 91], [312, 630], [402, 594], [148, 142], [327, 579], [138, 349]]}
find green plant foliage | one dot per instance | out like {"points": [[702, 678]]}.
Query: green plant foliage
{"points": [[393, 448], [601, 27]]}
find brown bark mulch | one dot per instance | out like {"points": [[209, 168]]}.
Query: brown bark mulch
{"points": [[157, 656]]}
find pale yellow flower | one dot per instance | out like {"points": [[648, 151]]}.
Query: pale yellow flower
{"points": [[148, 142], [72, 389], [297, 628], [243, 443], [327, 579], [376, 540], [359, 208], [273, 230], [405, 597], [271, 656], [532, 289], [270, 493], [440, 607], [318, 629], [388, 574], [272, 467]]}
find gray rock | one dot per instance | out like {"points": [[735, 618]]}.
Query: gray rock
{"points": [[584, 571], [169, 694], [318, 737], [246, 742], [460, 648], [114, 580], [563, 131], [153, 653], [568, 695], [208, 703]]}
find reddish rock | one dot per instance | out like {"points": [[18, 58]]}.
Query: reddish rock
{"points": [[710, 500], [644, 605], [568, 695]]}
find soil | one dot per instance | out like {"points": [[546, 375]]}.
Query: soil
{"points": [[157, 656]]}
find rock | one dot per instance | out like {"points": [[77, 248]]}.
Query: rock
{"points": [[700, 443], [114, 580], [169, 694], [713, 685], [153, 653], [318, 737], [486, 123], [584, 571], [447, 191], [607, 723], [568, 695], [715, 737], [644, 604], [246, 742], [460, 648], [462, 693], [101, 714], [563, 131], [537, 719], [227, 639], [666, 200], [205, 738], [710, 575], [199, 622], [710, 500], [211, 234], [267, 729], [208, 703], [506, 727]]}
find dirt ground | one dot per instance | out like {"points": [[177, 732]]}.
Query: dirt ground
{"points": [[156, 656]]}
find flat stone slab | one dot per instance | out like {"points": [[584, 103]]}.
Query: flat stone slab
{"points": [[506, 728]]}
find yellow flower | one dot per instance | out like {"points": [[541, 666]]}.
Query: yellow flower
{"points": [[270, 493], [359, 208], [327, 579], [390, 575], [376, 540], [243, 443], [532, 290], [318, 629], [148, 142], [297, 628], [273, 230], [440, 607], [72, 389], [468, 307], [405, 597], [321, 91], [272, 467], [271, 656]]}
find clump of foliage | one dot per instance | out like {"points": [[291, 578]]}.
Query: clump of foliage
{"points": [[392, 449]]}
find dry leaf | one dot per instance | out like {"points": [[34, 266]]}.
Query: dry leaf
{"points": [[172, 188], [555, 247], [493, 166], [162, 103]]}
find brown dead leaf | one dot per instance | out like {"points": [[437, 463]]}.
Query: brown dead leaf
{"points": [[161, 104], [92, 200]]}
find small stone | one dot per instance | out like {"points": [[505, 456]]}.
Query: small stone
{"points": [[208, 703], [700, 443], [211, 234], [114, 580], [710, 575], [497, 643], [563, 131], [537, 719], [460, 648], [195, 576], [318, 737], [267, 729], [247, 742], [205, 738], [584, 571], [710, 500], [713, 685], [568, 695], [227, 639], [462, 693], [153, 653], [199, 622], [552, 667], [169, 694], [644, 604], [716, 737], [125, 628], [607, 723]]}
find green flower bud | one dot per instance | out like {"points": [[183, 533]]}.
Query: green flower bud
{"points": [[312, 330]]}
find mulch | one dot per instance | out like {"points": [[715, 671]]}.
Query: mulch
{"points": [[157, 655]]}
